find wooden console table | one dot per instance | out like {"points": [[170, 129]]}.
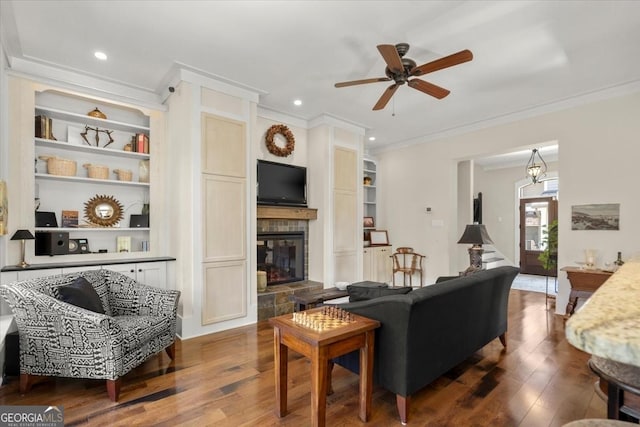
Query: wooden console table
{"points": [[320, 347], [583, 283]]}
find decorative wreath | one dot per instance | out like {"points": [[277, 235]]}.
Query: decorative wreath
{"points": [[271, 145]]}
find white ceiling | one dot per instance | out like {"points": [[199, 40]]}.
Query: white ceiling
{"points": [[527, 55]]}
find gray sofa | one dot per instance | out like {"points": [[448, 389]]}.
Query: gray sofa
{"points": [[95, 324], [430, 330]]}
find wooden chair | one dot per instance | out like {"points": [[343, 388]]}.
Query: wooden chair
{"points": [[407, 262]]}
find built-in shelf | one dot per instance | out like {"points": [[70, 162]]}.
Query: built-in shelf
{"points": [[63, 145], [74, 229], [89, 180], [55, 113], [286, 212]]}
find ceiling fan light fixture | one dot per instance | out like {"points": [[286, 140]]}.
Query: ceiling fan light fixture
{"points": [[536, 171], [100, 55], [400, 69]]}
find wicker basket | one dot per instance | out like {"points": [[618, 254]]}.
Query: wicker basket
{"points": [[59, 166], [123, 174], [97, 171]]}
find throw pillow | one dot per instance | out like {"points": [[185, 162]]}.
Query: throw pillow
{"points": [[358, 293], [81, 294]]}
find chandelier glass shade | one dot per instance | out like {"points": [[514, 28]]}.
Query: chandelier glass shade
{"points": [[536, 167]]}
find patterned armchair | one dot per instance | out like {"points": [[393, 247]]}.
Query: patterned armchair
{"points": [[61, 339]]}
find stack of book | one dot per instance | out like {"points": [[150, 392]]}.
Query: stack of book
{"points": [[44, 127], [140, 143]]}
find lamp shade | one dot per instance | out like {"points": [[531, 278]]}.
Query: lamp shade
{"points": [[22, 235], [475, 234]]}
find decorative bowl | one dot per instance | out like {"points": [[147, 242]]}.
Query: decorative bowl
{"points": [[97, 114]]}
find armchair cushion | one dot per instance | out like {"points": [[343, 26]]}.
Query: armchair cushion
{"points": [[359, 293], [81, 294], [138, 331]]}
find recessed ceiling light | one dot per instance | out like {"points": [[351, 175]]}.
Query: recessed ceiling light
{"points": [[100, 55], [372, 138], [297, 102]]}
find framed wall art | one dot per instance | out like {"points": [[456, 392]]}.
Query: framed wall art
{"points": [[595, 217], [379, 237], [368, 222]]}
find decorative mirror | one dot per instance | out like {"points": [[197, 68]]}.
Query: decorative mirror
{"points": [[103, 211]]}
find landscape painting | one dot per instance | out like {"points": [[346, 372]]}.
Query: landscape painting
{"points": [[595, 217]]}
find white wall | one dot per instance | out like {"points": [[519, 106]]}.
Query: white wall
{"points": [[499, 203], [598, 155]]}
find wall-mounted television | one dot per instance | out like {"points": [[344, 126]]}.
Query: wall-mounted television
{"points": [[281, 184]]}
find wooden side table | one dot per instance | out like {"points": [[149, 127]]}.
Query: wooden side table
{"points": [[320, 347], [583, 284]]}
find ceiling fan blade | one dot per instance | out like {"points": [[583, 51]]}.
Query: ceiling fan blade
{"points": [[428, 88], [386, 96], [439, 64], [361, 82], [391, 57]]}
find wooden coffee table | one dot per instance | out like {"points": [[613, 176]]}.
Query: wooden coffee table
{"points": [[307, 300], [320, 347]]}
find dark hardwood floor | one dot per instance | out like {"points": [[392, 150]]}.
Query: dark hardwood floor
{"points": [[227, 379]]}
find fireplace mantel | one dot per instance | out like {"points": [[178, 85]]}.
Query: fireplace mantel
{"points": [[286, 212]]}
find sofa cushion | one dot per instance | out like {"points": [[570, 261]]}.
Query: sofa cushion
{"points": [[81, 294], [362, 293], [139, 330]]}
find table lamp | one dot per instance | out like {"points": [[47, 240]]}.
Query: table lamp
{"points": [[476, 235], [22, 235]]}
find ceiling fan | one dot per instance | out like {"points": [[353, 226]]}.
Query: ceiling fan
{"points": [[400, 69]]}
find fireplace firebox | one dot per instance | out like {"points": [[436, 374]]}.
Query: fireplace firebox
{"points": [[281, 256]]}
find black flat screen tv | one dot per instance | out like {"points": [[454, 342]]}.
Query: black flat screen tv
{"points": [[280, 184]]}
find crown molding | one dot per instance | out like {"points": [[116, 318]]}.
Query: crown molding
{"points": [[620, 90], [72, 80]]}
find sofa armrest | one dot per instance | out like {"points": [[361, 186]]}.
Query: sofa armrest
{"points": [[128, 297]]}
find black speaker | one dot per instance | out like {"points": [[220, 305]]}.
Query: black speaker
{"points": [[52, 242], [46, 219], [78, 246], [139, 221]]}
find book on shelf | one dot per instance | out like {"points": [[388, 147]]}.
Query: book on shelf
{"points": [[44, 127], [69, 219], [140, 143], [123, 244]]}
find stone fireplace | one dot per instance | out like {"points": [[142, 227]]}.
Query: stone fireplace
{"points": [[289, 258]]}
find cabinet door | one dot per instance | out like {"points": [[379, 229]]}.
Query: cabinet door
{"points": [[34, 274], [152, 274], [367, 265], [66, 270], [223, 146], [224, 294], [224, 218], [147, 273], [126, 269], [382, 264], [345, 169]]}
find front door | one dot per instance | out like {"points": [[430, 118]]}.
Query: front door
{"points": [[535, 216]]}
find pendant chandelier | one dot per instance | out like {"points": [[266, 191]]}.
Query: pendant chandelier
{"points": [[536, 170]]}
